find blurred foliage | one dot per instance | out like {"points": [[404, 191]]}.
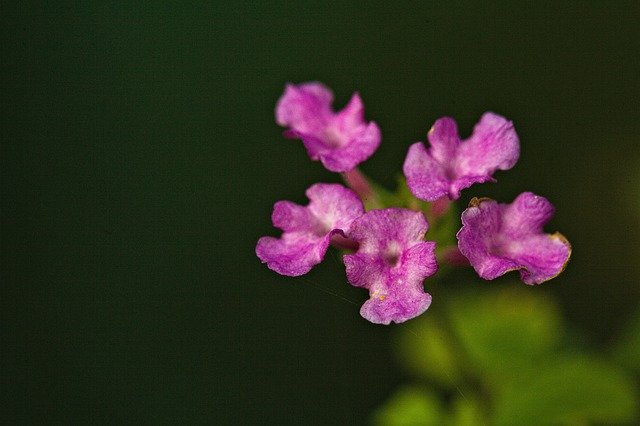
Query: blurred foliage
{"points": [[627, 349], [502, 357], [411, 406]]}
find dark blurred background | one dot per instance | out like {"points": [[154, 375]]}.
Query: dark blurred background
{"points": [[140, 162]]}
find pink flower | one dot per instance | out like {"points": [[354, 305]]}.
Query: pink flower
{"points": [[392, 261], [498, 238], [340, 140], [450, 165], [308, 230]]}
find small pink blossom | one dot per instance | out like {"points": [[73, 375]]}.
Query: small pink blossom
{"points": [[340, 140], [450, 165], [392, 262], [498, 238], [308, 230]]}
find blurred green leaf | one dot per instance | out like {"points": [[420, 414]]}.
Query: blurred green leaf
{"points": [[466, 411], [400, 197], [570, 389], [443, 230], [627, 349], [405, 198], [504, 331], [427, 349], [410, 406]]}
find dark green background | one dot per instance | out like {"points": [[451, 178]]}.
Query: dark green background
{"points": [[140, 162]]}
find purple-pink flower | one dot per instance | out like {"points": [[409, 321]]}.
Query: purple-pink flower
{"points": [[308, 230], [389, 255], [498, 238], [340, 140], [392, 261], [450, 165]]}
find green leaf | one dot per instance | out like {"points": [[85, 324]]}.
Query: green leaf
{"points": [[443, 229], [503, 332], [400, 197], [627, 350], [466, 411], [410, 406], [570, 389], [427, 349]]}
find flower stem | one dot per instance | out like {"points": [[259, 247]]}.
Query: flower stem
{"points": [[356, 180], [439, 208]]}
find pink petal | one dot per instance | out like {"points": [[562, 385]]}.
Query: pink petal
{"points": [[340, 140], [426, 178], [526, 215], [449, 166], [392, 261], [494, 145], [308, 230], [306, 108], [444, 140], [500, 238], [293, 254]]}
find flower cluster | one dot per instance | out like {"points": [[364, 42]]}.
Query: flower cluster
{"points": [[386, 250]]}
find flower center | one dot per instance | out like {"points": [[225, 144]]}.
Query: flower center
{"points": [[450, 172], [392, 254], [502, 246], [333, 138]]}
